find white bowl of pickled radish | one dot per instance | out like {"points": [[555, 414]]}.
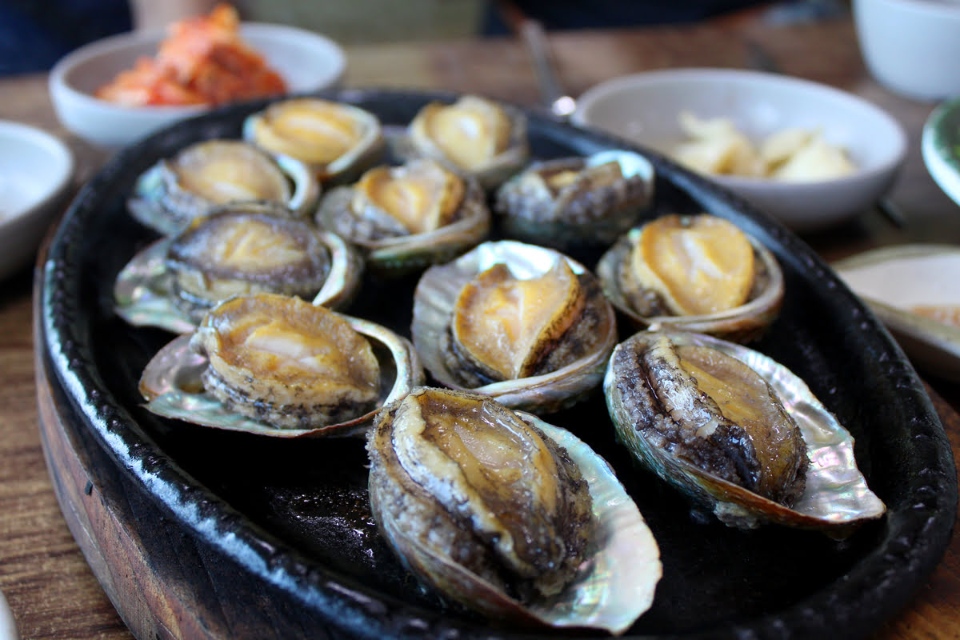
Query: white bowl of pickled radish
{"points": [[834, 154]]}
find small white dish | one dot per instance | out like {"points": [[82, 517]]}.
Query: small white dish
{"points": [[940, 146], [307, 61], [36, 170], [911, 46], [893, 281], [644, 108], [8, 626]]}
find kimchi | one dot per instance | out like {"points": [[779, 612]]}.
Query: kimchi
{"points": [[203, 60]]}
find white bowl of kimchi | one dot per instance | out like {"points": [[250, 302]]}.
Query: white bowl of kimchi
{"points": [[157, 89]]}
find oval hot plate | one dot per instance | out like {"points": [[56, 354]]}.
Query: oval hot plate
{"points": [[196, 532]]}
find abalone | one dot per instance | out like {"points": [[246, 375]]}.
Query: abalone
{"points": [[235, 249], [335, 140], [211, 173], [508, 515], [576, 202], [473, 136], [736, 431], [698, 273], [524, 324], [407, 217], [277, 365]]}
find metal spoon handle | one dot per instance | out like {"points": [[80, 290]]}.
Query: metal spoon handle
{"points": [[551, 93]]}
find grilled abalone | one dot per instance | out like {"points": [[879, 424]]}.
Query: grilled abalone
{"points": [[521, 323], [473, 136], [238, 249], [337, 141], [508, 515], [737, 431], [696, 273], [575, 202], [209, 174], [273, 364], [409, 216]]}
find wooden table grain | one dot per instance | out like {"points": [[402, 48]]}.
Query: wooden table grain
{"points": [[46, 580]]}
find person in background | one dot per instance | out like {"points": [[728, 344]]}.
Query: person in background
{"points": [[34, 35], [605, 14]]}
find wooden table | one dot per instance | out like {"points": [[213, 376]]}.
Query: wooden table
{"points": [[49, 586]]}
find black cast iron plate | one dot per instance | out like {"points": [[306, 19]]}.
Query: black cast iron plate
{"points": [[293, 515]]}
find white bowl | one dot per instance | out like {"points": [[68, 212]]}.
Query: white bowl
{"points": [[8, 626], [911, 46], [307, 62], [36, 170], [894, 281], [644, 109]]}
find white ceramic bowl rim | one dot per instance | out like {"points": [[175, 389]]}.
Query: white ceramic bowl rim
{"points": [[893, 154], [58, 171], [60, 73], [948, 9]]}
